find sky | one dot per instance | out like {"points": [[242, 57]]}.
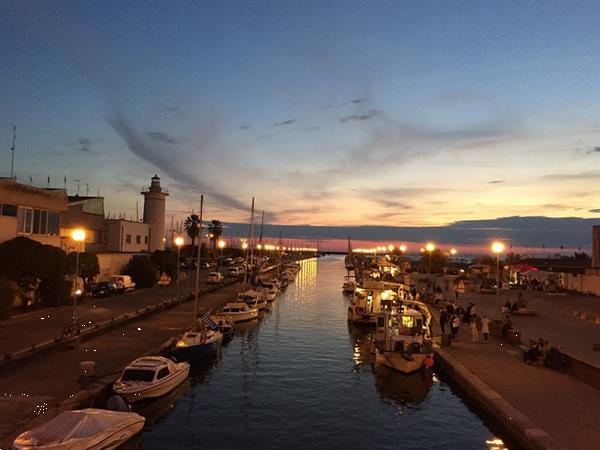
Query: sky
{"points": [[328, 113]]}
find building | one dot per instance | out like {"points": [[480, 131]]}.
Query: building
{"points": [[126, 236], [86, 213], [154, 213], [31, 212]]}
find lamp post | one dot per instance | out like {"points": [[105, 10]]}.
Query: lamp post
{"points": [[178, 242], [497, 248], [221, 245], [78, 235], [430, 247]]}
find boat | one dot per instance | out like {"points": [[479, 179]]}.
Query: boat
{"points": [[349, 285], [403, 339], [254, 299], [361, 314], [149, 377], [200, 342], [82, 429], [225, 325], [349, 260], [238, 312]]}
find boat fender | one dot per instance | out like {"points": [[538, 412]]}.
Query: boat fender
{"points": [[360, 310], [429, 362]]}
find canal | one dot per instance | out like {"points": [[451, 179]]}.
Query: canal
{"points": [[300, 377]]}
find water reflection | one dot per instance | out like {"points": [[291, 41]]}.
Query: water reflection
{"points": [[403, 389]]}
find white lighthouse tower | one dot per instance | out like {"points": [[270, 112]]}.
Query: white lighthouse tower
{"points": [[154, 214]]}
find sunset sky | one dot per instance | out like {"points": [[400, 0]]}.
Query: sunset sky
{"points": [[329, 113]]}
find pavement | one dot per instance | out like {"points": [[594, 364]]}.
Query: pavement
{"points": [[32, 389], [557, 404]]}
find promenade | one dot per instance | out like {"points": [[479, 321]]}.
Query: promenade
{"points": [[40, 385]]}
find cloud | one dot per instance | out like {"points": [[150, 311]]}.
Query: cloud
{"points": [[361, 117], [595, 210], [175, 111], [285, 122], [85, 145], [391, 203], [592, 175], [356, 101], [496, 181], [164, 160], [245, 126], [458, 98], [313, 128], [164, 138], [594, 150]]}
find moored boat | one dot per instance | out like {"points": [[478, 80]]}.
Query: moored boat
{"points": [[82, 429], [403, 340], [200, 342], [238, 312], [254, 299], [149, 377], [349, 285]]}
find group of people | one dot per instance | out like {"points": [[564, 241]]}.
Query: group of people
{"points": [[536, 351], [453, 316]]}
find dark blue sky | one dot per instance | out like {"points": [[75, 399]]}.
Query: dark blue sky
{"points": [[333, 113]]}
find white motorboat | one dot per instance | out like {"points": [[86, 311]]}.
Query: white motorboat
{"points": [[238, 312], [269, 294], [81, 430], [254, 299], [149, 377], [403, 340]]}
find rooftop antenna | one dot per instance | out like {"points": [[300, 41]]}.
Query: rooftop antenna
{"points": [[137, 214], [78, 186], [12, 149], [87, 189], [98, 193], [262, 222]]}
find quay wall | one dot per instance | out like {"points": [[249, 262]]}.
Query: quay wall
{"points": [[509, 420]]}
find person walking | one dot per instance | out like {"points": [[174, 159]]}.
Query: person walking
{"points": [[455, 326], [473, 328], [443, 320], [485, 328]]}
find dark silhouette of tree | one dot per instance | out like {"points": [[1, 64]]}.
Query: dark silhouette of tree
{"points": [[191, 225], [166, 261], [142, 271], [88, 266], [512, 259], [438, 261], [215, 230]]}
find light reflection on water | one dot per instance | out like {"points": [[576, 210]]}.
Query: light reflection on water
{"points": [[301, 377]]}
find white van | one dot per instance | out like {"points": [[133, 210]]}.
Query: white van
{"points": [[124, 282]]}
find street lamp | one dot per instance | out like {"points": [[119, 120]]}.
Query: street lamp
{"points": [[221, 245], [453, 251], [78, 235], [497, 248], [430, 247], [403, 248], [178, 243]]}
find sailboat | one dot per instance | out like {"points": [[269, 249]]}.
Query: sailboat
{"points": [[205, 337], [349, 260]]}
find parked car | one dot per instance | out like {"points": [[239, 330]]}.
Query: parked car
{"points": [[235, 271], [124, 283], [215, 278], [104, 289], [164, 280]]}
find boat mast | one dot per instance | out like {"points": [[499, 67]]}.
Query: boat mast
{"points": [[12, 149], [249, 249], [198, 265]]}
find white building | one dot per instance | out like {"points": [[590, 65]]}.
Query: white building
{"points": [[126, 236]]}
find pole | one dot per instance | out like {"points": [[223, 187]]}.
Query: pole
{"points": [[429, 263], [198, 265], [178, 266], [75, 296], [497, 276], [12, 149]]}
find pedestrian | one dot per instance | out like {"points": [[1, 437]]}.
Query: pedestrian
{"points": [[485, 328], [443, 320], [455, 326], [473, 328], [456, 293]]}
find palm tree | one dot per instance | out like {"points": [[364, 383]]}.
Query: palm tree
{"points": [[215, 230], [192, 227]]}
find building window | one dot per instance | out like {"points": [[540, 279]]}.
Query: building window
{"points": [[8, 210], [138, 239], [40, 221], [145, 239], [128, 239], [53, 223], [24, 220]]}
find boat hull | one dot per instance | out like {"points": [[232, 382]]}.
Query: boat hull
{"points": [[401, 362], [196, 352]]}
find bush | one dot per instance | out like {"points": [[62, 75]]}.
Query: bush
{"points": [[7, 295], [142, 271], [55, 292]]}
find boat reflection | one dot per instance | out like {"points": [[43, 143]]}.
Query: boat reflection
{"points": [[361, 339], [400, 388]]}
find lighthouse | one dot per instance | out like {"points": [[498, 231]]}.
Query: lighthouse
{"points": [[154, 214]]}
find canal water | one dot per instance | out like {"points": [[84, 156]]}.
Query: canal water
{"points": [[300, 377]]}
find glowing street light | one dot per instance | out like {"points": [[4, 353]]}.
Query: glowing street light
{"points": [[78, 235], [497, 248], [244, 245], [178, 243], [403, 248], [430, 247], [453, 251], [221, 245], [391, 248]]}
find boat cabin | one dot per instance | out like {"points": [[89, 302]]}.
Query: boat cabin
{"points": [[148, 369]]}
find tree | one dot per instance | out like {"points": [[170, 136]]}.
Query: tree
{"points": [[7, 296], [191, 226], [215, 229], [438, 260], [166, 261], [512, 259], [88, 266], [142, 271]]}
